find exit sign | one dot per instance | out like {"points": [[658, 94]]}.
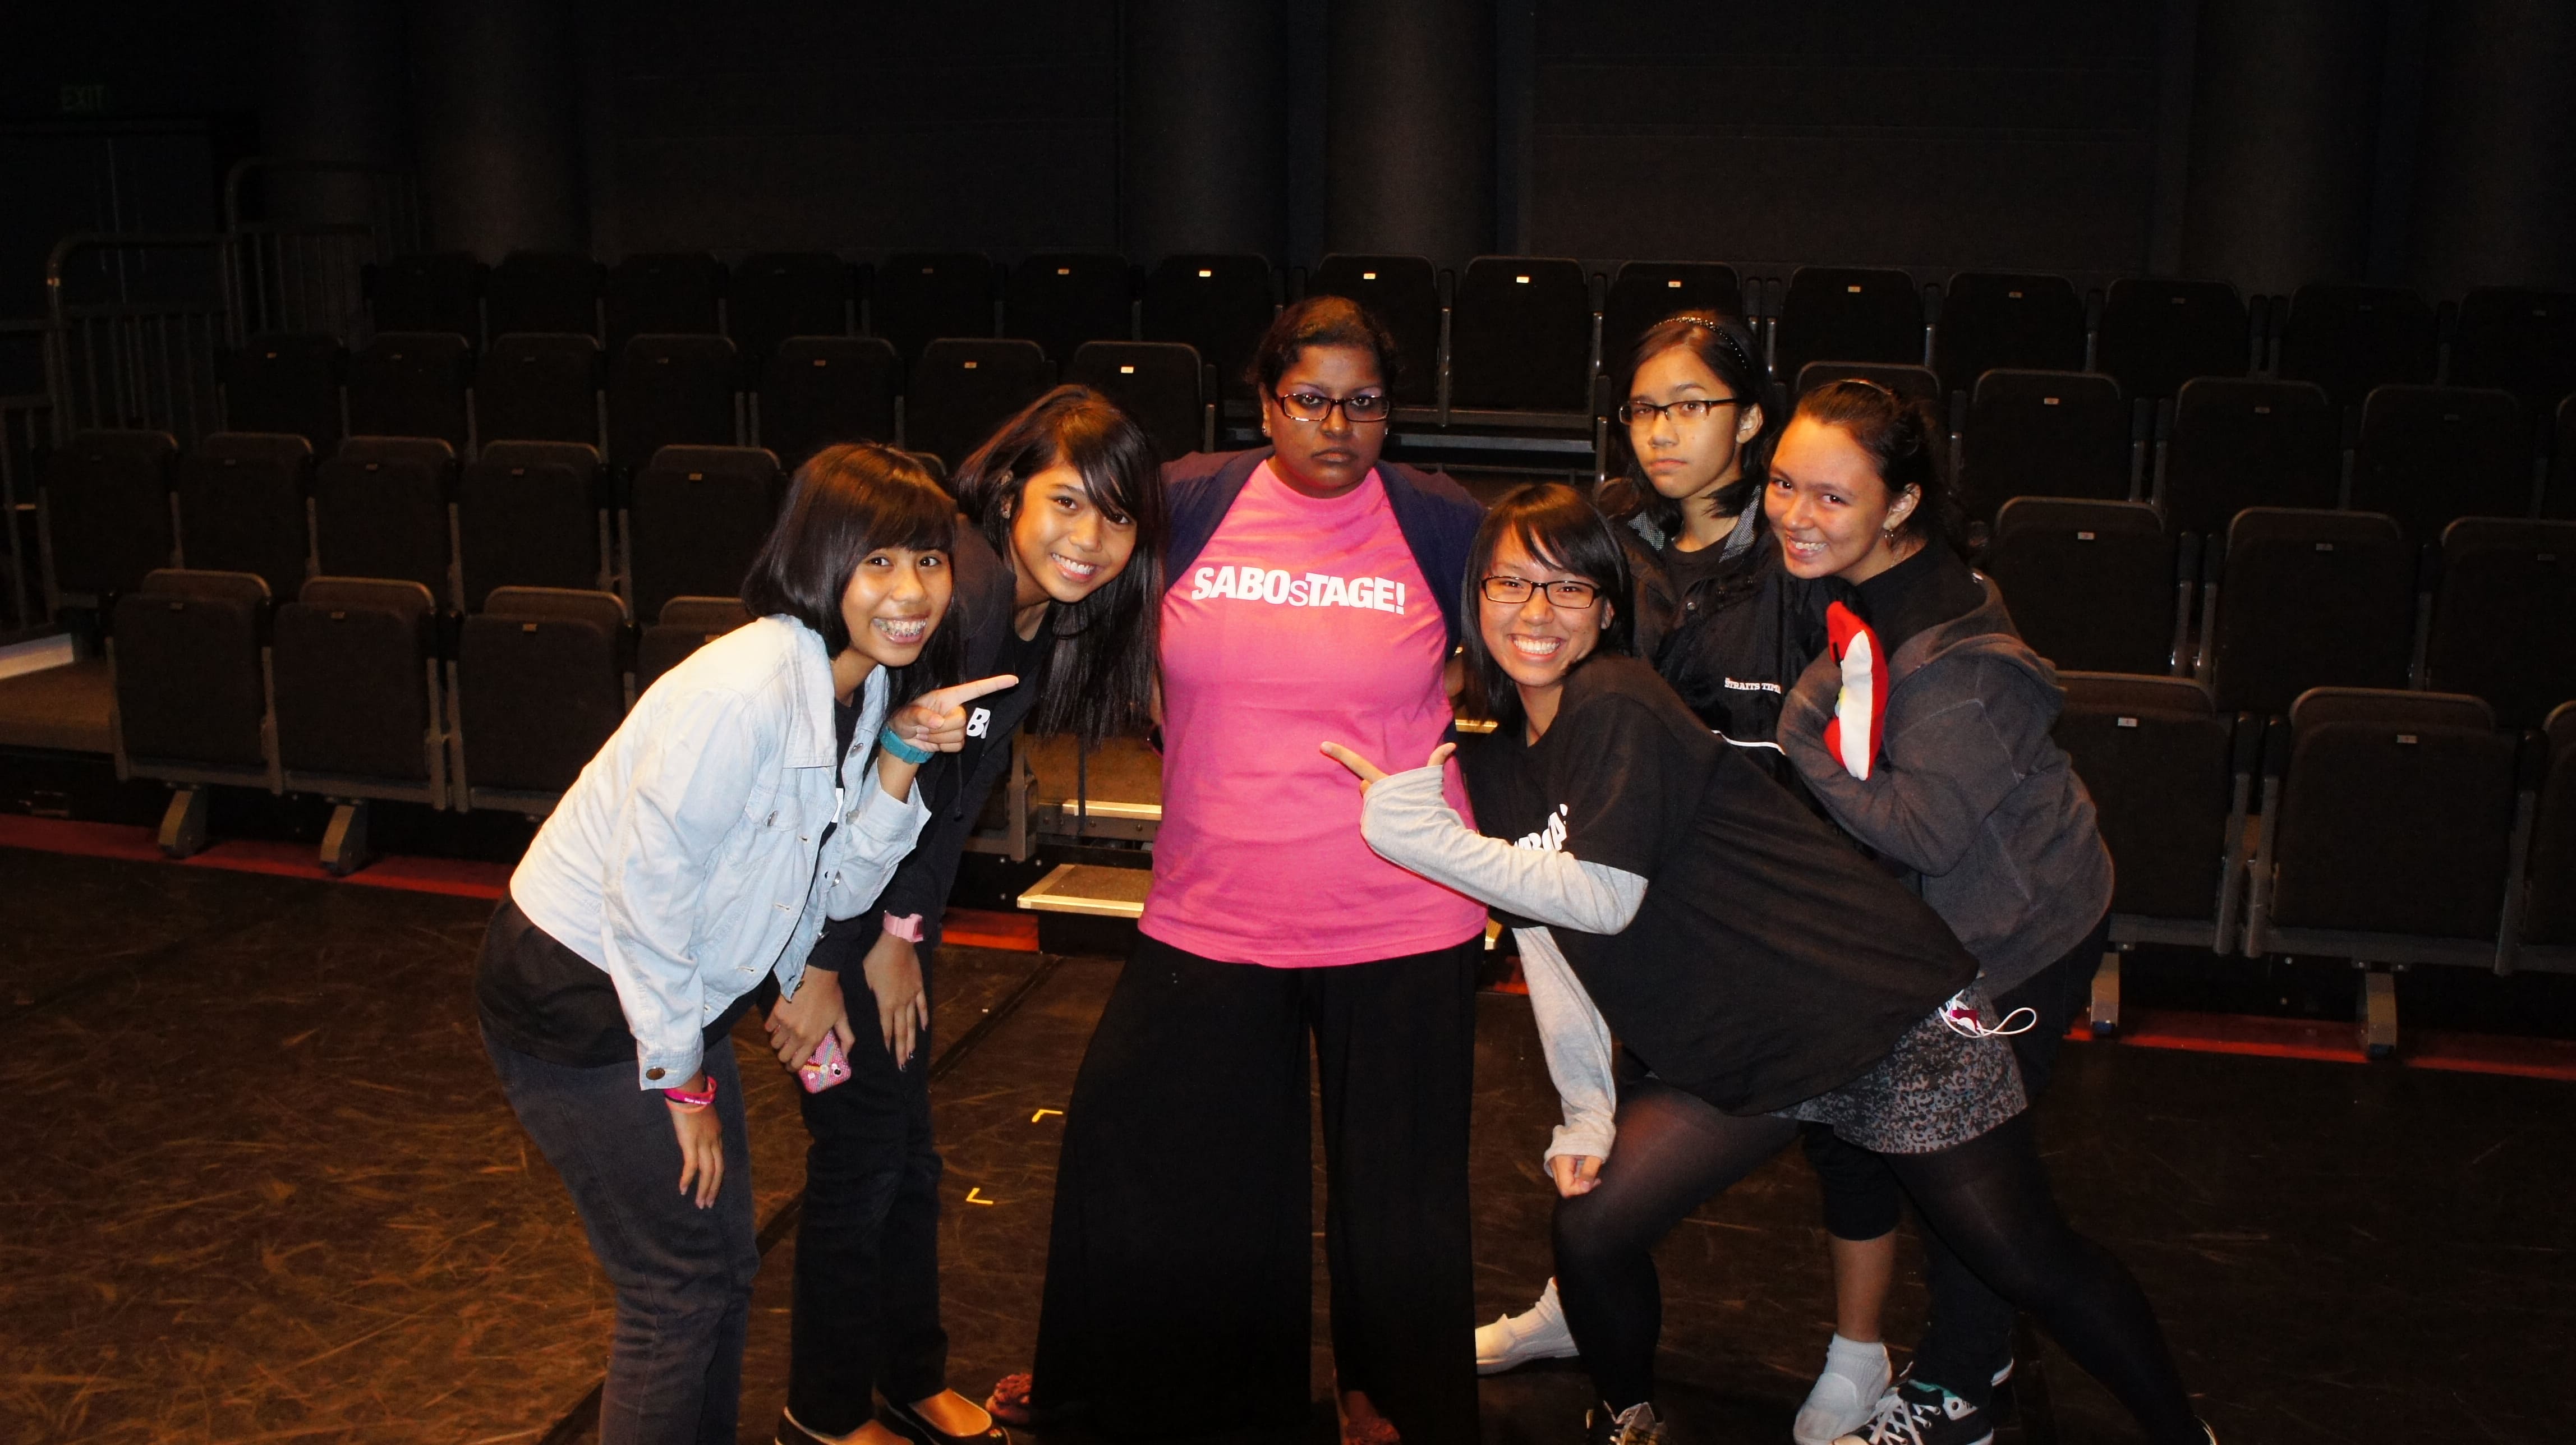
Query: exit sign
{"points": [[85, 99]]}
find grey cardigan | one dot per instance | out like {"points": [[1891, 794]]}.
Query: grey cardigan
{"points": [[1971, 793]]}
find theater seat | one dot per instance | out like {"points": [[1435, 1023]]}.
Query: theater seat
{"points": [[1159, 384], [696, 518], [541, 683], [2504, 616], [532, 514], [1061, 300], [817, 391], [2016, 320], [1914, 383], [685, 625], [189, 655], [2549, 928], [413, 384], [2045, 434], [286, 382], [1216, 304], [539, 387], [1841, 313], [1405, 293], [242, 507], [429, 292], [2094, 586], [962, 389], [383, 508], [1522, 338], [2157, 334], [105, 508], [2238, 444], [360, 706], [1645, 292], [2298, 599], [671, 390], [2429, 454]]}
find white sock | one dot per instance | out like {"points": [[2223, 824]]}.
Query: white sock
{"points": [[1851, 1357]]}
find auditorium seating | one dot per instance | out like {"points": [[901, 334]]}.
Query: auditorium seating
{"points": [[2157, 334], [189, 654], [2428, 454], [2299, 599], [435, 292], [381, 509], [361, 713], [2388, 822], [1522, 338], [1835, 313], [286, 382], [779, 294], [2561, 499], [819, 390], [962, 389], [532, 514], [2517, 340], [2504, 616], [413, 384], [671, 390], [1645, 292], [1407, 294], [924, 296], [2048, 434], [675, 293], [1159, 384], [1217, 304], [1992, 319], [541, 682], [546, 291], [2095, 586], [2549, 935], [696, 516], [105, 503], [242, 507], [2349, 339], [539, 387], [1914, 383], [2238, 443], [684, 625], [1061, 300]]}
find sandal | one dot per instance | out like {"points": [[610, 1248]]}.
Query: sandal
{"points": [[1012, 1405]]}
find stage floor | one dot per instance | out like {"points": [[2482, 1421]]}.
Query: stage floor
{"points": [[263, 1188]]}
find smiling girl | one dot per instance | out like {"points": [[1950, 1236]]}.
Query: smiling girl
{"points": [[699, 853], [1762, 970]]}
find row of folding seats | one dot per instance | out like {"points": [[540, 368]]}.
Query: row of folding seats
{"points": [[669, 389], [360, 689], [120, 505], [2394, 827]]}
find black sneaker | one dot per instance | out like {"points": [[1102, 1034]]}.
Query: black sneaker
{"points": [[1918, 1414], [1636, 1425]]}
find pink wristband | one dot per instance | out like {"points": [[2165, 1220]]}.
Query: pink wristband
{"points": [[907, 927], [683, 1099]]}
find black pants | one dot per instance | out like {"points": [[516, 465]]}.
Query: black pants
{"points": [[867, 1243], [1969, 1335], [1179, 1271], [1987, 1198]]}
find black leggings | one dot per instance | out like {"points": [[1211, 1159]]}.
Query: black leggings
{"points": [[1988, 1199]]}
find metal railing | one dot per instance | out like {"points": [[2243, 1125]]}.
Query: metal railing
{"points": [[25, 424], [309, 274], [132, 344]]}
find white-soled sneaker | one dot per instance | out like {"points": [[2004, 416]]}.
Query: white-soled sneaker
{"points": [[1918, 1414], [1538, 1333], [1846, 1394]]}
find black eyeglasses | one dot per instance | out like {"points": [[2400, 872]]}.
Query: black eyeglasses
{"points": [[1314, 406], [1689, 408], [1569, 596]]}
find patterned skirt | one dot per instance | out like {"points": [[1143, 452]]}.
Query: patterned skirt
{"points": [[1937, 1088]]}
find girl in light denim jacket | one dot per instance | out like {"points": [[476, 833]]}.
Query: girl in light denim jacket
{"points": [[699, 853]]}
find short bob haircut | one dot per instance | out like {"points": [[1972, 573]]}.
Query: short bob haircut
{"points": [[1905, 444], [1557, 525], [1321, 321], [1100, 674], [1726, 348], [844, 503]]}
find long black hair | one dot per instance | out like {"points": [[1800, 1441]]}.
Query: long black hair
{"points": [[1558, 526], [1726, 348], [1906, 445], [1100, 674], [845, 502]]}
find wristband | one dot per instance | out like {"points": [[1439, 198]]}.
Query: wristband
{"points": [[904, 926], [683, 1099], [901, 749]]}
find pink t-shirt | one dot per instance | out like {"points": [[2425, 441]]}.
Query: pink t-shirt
{"points": [[1305, 621]]}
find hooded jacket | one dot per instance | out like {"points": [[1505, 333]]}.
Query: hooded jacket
{"points": [[1970, 792]]}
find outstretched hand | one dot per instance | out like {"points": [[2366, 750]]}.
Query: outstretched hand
{"points": [[1369, 772], [937, 719]]}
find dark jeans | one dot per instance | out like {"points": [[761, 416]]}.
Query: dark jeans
{"points": [[682, 1274], [1181, 1256], [1969, 1336], [867, 1245]]}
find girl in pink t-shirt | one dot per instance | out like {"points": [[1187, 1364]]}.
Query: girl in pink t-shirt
{"points": [[1312, 592]]}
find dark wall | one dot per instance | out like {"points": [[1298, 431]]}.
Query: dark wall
{"points": [[803, 124], [1934, 133]]}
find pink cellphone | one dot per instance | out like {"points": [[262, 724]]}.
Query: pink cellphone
{"points": [[826, 1068]]}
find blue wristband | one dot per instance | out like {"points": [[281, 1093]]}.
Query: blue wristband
{"points": [[901, 749]]}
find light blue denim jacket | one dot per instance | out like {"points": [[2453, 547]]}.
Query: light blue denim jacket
{"points": [[684, 862]]}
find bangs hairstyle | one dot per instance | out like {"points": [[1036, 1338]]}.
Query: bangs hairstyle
{"points": [[1726, 348], [1321, 321], [1905, 444], [1560, 528], [845, 502], [1100, 674]]}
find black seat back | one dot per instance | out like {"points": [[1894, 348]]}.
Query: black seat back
{"points": [[106, 499], [1520, 336], [1840, 313], [2504, 616], [541, 684], [2043, 434], [2239, 444], [241, 507], [1914, 383], [1990, 319], [664, 292], [2552, 919], [354, 699], [1155, 382], [2309, 599], [380, 510], [1062, 299], [698, 516], [190, 687], [962, 389], [553, 291], [538, 387], [529, 514], [439, 291], [1403, 292], [1645, 292], [670, 390], [922, 296], [411, 384], [2349, 339], [2517, 339], [286, 382], [2157, 334], [1218, 304], [779, 294], [2429, 454], [818, 390], [2091, 585], [2159, 759]]}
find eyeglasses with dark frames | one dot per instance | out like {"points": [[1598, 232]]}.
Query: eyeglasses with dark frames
{"points": [[1314, 406], [1689, 408], [1568, 596]]}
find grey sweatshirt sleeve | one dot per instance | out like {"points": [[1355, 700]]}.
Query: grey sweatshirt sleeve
{"points": [[1577, 1042], [1945, 765], [1409, 824]]}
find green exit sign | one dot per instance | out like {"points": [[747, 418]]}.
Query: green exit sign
{"points": [[85, 99]]}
